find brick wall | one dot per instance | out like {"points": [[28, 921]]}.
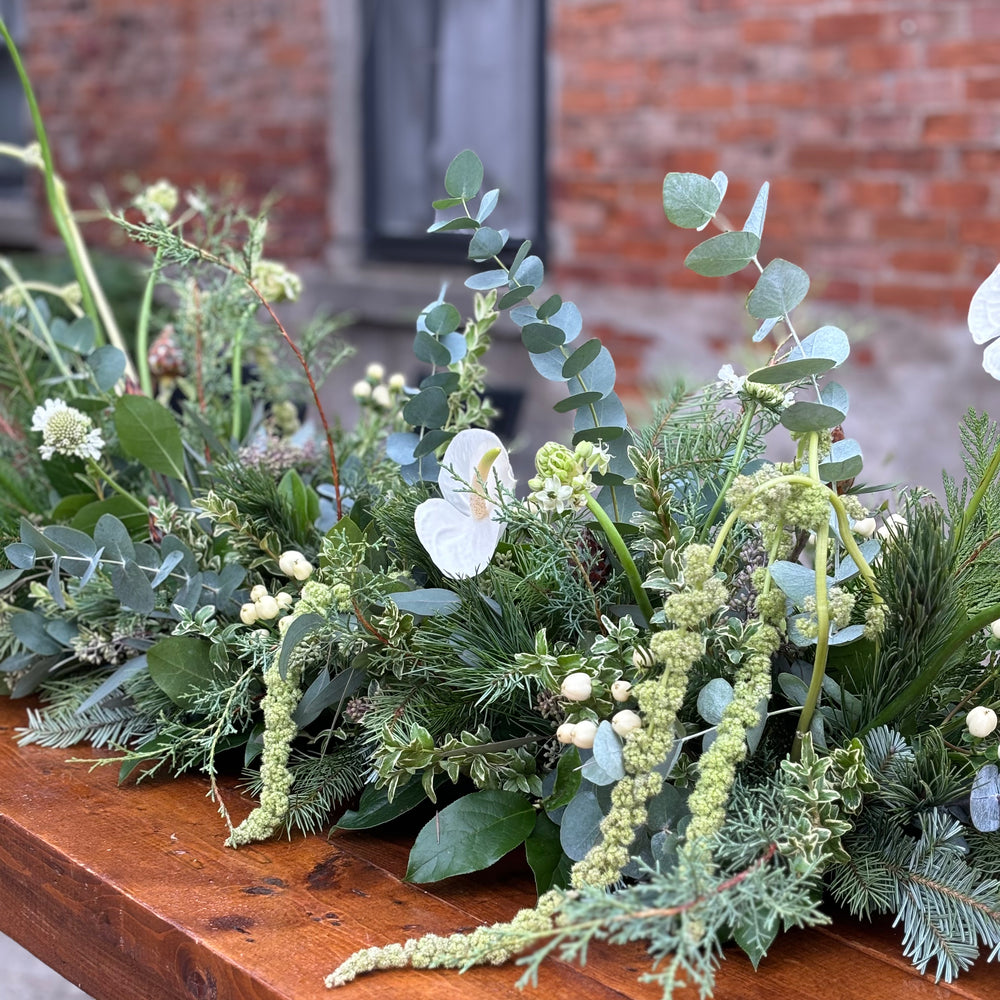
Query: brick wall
{"points": [[221, 93], [877, 122]]}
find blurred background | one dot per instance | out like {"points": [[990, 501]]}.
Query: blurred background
{"points": [[877, 123]]}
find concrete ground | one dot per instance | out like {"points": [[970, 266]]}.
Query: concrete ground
{"points": [[25, 978]]}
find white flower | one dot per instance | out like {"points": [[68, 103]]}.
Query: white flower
{"points": [[984, 320], [461, 530], [157, 202], [981, 721], [728, 378], [361, 390], [397, 381], [66, 431]]}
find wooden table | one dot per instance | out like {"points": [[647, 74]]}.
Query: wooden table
{"points": [[129, 893]]}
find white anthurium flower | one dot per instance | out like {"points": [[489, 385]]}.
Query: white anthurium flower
{"points": [[461, 530], [984, 320]]}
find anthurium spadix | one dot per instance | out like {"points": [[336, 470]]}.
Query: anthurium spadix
{"points": [[461, 530], [984, 321]]}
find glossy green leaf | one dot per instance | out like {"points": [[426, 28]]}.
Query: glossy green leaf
{"points": [[690, 200], [375, 807], [148, 432], [779, 289], [302, 501], [429, 408], [567, 780], [431, 441], [181, 667], [469, 835], [464, 176], [136, 521], [724, 254], [545, 856]]}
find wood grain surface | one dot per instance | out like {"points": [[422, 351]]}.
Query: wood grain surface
{"points": [[129, 893]]}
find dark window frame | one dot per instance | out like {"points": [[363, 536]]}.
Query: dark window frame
{"points": [[444, 248]]}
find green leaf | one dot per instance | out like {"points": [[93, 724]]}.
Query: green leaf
{"points": [[464, 176], [181, 667], [549, 864], [302, 500], [148, 432], [780, 288], [756, 930], [375, 807], [112, 535], [487, 203], [531, 272], [442, 319], [78, 336], [428, 408], [443, 203], [755, 220], [485, 280], [517, 294], [519, 258], [575, 402], [549, 307], [326, 691], [844, 461], [713, 699], [826, 342], [581, 823], [429, 349], [487, 242], [690, 200], [431, 441], [806, 416], [581, 358], [20, 555], [301, 626], [136, 521], [539, 338], [462, 222], [835, 395], [132, 588], [567, 780], [791, 371], [30, 629], [429, 601], [108, 365], [470, 834], [724, 254]]}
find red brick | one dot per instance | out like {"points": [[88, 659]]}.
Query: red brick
{"points": [[913, 296], [948, 128], [965, 53], [747, 130], [985, 161], [702, 97], [867, 57], [909, 160], [964, 196], [932, 261], [823, 158], [873, 194], [984, 88], [980, 232], [777, 93], [772, 30], [905, 227], [837, 28]]}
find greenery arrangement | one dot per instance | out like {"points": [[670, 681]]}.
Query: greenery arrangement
{"points": [[701, 672]]}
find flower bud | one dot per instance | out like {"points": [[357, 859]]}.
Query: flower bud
{"points": [[576, 686], [381, 397], [397, 381], [256, 593], [584, 733], [267, 608], [361, 390], [248, 613], [981, 721], [566, 732], [621, 690], [865, 528], [375, 372], [287, 561], [626, 721], [302, 569]]}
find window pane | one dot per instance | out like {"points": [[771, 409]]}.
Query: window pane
{"points": [[446, 75]]}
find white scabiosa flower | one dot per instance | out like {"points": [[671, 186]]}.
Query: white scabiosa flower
{"points": [[66, 431], [461, 530]]}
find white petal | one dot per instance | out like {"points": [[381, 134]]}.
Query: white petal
{"points": [[984, 310], [458, 467], [991, 359], [458, 545]]}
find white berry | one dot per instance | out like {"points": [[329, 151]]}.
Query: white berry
{"points": [[287, 561], [577, 686], [566, 732], [981, 721], [621, 690], [256, 593], [267, 607], [248, 613], [584, 733], [626, 721]]}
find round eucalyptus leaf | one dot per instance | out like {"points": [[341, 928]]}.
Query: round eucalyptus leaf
{"points": [[429, 408], [713, 699], [608, 415], [581, 358], [807, 416], [540, 338], [571, 403], [598, 376], [464, 176], [755, 220], [427, 348], [826, 342], [724, 254], [835, 395], [487, 203], [843, 462], [485, 243], [519, 257], [442, 319], [485, 280], [550, 307], [690, 200], [791, 371], [780, 288], [530, 272], [516, 294]]}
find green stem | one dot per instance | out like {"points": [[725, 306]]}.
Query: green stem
{"points": [[142, 327], [919, 685], [121, 491], [977, 498], [236, 365], [734, 467], [624, 556], [822, 613]]}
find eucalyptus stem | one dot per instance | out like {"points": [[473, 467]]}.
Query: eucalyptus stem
{"points": [[734, 467], [624, 556]]}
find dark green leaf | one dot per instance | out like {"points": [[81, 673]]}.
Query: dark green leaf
{"points": [[428, 408], [464, 175], [806, 416], [574, 402], [324, 692], [450, 225], [549, 864], [430, 601], [522, 252], [375, 809], [780, 288], [690, 200], [302, 500], [844, 461], [443, 203], [449, 382], [724, 254], [431, 441], [539, 338], [469, 835], [86, 518], [119, 676], [567, 782], [549, 307], [442, 319], [756, 930], [301, 626], [487, 242], [181, 667], [791, 371], [148, 432], [429, 349], [29, 628], [108, 365], [517, 294], [581, 358], [132, 588]]}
